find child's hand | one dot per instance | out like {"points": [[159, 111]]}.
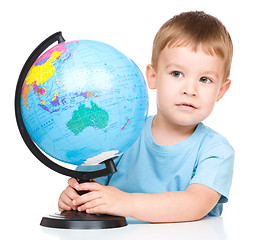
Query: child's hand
{"points": [[102, 200], [68, 195]]}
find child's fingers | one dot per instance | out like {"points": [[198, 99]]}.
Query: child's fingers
{"points": [[90, 196], [67, 197], [62, 206], [63, 202], [73, 183], [68, 201], [92, 204], [89, 186], [100, 209], [70, 193]]}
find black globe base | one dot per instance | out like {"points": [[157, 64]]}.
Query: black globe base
{"points": [[82, 220]]}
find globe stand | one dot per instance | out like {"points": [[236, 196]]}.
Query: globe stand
{"points": [[65, 219], [82, 220]]}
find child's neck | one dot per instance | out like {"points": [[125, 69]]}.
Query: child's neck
{"points": [[168, 134]]}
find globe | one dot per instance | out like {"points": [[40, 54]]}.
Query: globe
{"points": [[83, 102]]}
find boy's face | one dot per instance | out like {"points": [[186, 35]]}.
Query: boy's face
{"points": [[188, 84]]}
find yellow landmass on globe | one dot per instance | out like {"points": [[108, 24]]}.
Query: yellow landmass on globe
{"points": [[41, 73], [37, 76], [54, 98]]}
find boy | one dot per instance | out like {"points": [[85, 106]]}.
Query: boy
{"points": [[178, 169]]}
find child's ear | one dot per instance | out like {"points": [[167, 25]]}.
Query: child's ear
{"points": [[223, 89], [151, 77]]}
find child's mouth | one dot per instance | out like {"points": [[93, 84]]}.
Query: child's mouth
{"points": [[186, 106]]}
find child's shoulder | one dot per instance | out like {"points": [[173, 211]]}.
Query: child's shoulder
{"points": [[213, 139]]}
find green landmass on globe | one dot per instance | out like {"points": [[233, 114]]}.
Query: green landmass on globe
{"points": [[88, 117]]}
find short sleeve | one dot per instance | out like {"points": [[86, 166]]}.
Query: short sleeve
{"points": [[215, 170]]}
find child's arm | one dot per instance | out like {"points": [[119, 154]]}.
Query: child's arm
{"points": [[189, 205]]}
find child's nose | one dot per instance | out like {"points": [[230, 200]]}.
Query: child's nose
{"points": [[190, 88]]}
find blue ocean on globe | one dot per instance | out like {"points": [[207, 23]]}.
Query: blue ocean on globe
{"points": [[83, 102]]}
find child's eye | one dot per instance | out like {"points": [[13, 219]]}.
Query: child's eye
{"points": [[177, 74], [205, 80]]}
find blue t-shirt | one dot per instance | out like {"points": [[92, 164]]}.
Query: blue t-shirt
{"points": [[205, 158]]}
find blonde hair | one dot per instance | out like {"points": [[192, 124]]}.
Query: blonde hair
{"points": [[194, 29]]}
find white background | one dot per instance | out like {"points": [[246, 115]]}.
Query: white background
{"points": [[28, 188]]}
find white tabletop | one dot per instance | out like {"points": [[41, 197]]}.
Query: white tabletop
{"points": [[207, 228]]}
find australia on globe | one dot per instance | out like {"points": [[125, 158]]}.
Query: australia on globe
{"points": [[83, 102]]}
